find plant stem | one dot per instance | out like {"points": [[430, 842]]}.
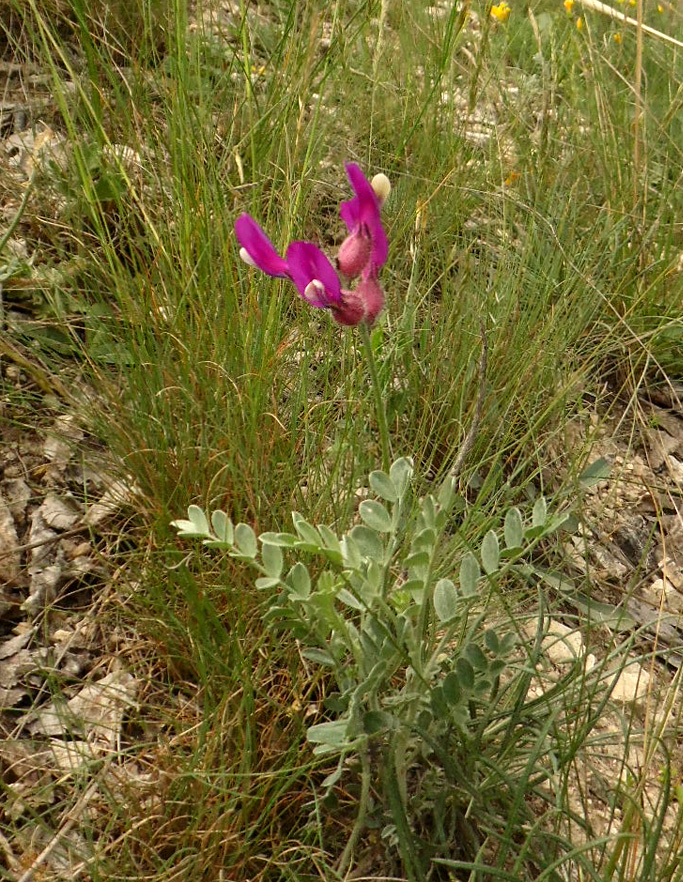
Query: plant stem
{"points": [[359, 825], [379, 401]]}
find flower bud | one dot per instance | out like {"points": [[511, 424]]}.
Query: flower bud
{"points": [[371, 295], [351, 310], [354, 254], [382, 187]]}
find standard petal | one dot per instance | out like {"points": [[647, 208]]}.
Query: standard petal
{"points": [[380, 246], [307, 264], [364, 212], [259, 247], [352, 212]]}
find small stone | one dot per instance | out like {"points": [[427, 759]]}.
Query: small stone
{"points": [[591, 662], [561, 644], [665, 592], [632, 684]]}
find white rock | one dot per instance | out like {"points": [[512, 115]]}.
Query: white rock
{"points": [[561, 644], [632, 684]]}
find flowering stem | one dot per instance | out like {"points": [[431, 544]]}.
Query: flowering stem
{"points": [[379, 400], [363, 804]]}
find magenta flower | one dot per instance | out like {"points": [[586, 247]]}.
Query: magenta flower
{"points": [[364, 251], [365, 248], [257, 249]]}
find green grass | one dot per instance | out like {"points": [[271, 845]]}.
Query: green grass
{"points": [[220, 386]]}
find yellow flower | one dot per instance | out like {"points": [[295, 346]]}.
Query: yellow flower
{"points": [[617, 37], [579, 24], [501, 11], [660, 8], [569, 5], [631, 2]]}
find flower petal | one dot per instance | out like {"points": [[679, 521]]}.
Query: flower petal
{"points": [[371, 295], [259, 247], [363, 211], [350, 210], [307, 264]]}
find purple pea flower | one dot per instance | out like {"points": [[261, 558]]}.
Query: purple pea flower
{"points": [[312, 273], [257, 249], [365, 248]]}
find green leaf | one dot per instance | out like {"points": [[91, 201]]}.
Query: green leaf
{"points": [[284, 540], [476, 656], [222, 527], [345, 597], [299, 581], [401, 473], [245, 540], [196, 525], [508, 643], [470, 573], [556, 579], [350, 552], [331, 734], [334, 777], [445, 600], [446, 494], [272, 559], [424, 540], [306, 531], [483, 686], [438, 702], [428, 511], [319, 656], [465, 673], [540, 512], [329, 538], [415, 587], [497, 667], [383, 486], [265, 582], [374, 579], [597, 471], [368, 543], [327, 582], [418, 561], [490, 553], [375, 515], [614, 617], [491, 640], [513, 529], [452, 689]]}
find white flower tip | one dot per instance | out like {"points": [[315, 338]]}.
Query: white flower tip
{"points": [[314, 290], [246, 257], [382, 186]]}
